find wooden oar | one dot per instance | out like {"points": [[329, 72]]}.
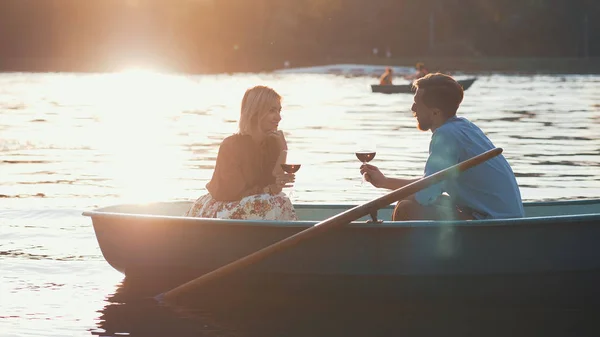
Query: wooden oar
{"points": [[331, 223]]}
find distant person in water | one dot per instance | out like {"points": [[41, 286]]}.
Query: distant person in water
{"points": [[386, 78], [420, 71], [486, 191], [248, 179]]}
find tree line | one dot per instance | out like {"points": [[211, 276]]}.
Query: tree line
{"points": [[251, 35]]}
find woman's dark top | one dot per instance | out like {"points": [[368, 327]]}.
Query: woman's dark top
{"points": [[243, 167]]}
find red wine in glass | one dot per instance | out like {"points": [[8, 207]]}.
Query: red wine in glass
{"points": [[290, 168], [365, 156]]}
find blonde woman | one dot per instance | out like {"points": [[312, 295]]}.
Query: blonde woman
{"points": [[247, 181]]}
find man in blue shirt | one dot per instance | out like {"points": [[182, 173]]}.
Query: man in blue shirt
{"points": [[486, 191]]}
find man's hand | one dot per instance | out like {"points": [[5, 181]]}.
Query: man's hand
{"points": [[373, 175]]}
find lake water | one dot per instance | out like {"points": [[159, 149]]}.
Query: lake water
{"points": [[73, 142]]}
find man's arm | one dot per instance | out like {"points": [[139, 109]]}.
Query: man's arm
{"points": [[373, 175], [395, 183]]}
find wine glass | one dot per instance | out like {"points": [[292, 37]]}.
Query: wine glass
{"points": [[290, 168], [365, 152]]}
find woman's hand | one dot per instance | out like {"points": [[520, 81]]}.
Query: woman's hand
{"points": [[281, 180], [281, 142], [285, 179]]}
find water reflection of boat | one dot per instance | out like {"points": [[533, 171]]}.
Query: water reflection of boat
{"points": [[407, 88], [552, 251], [131, 312]]}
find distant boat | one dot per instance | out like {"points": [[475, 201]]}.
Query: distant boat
{"points": [[407, 88], [346, 70]]}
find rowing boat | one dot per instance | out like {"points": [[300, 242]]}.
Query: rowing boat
{"points": [[407, 88], [553, 247]]}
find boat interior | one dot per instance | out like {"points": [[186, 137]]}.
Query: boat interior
{"points": [[318, 212]]}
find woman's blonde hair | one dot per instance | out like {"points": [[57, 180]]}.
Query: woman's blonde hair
{"points": [[256, 102]]}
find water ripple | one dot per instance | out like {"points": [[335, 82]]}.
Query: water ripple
{"points": [[30, 256]]}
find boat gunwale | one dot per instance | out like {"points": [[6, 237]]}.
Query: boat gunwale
{"points": [[527, 203], [386, 224]]}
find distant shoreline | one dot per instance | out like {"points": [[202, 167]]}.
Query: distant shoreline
{"points": [[473, 65], [494, 64]]}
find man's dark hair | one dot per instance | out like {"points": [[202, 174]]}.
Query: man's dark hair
{"points": [[440, 91]]}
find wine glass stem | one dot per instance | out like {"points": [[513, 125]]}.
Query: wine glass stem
{"points": [[362, 178]]}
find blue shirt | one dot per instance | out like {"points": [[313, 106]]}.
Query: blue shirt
{"points": [[489, 188]]}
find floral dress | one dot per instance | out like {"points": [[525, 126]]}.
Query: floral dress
{"points": [[243, 169], [254, 207]]}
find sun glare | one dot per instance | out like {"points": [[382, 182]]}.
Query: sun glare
{"points": [[136, 121], [137, 118], [139, 73]]}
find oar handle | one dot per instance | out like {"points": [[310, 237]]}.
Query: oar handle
{"points": [[333, 222]]}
